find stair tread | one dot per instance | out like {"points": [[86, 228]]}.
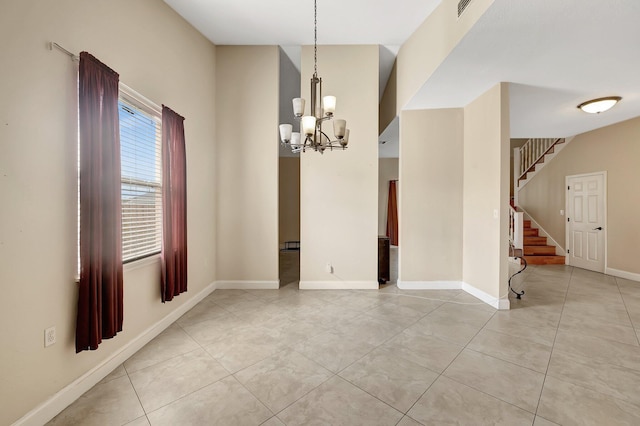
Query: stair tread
{"points": [[539, 250], [535, 241], [545, 260]]}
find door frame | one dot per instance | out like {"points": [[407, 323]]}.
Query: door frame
{"points": [[606, 222]]}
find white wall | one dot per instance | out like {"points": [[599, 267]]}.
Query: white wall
{"points": [[247, 163], [486, 192], [163, 58], [339, 190], [430, 203]]}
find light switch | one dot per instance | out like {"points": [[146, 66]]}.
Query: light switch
{"points": [[561, 212], [495, 214]]}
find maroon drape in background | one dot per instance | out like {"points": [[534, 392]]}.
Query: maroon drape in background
{"points": [[174, 206], [100, 289], [392, 214]]}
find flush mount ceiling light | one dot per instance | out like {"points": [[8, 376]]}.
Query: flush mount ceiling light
{"points": [[322, 109], [596, 106]]}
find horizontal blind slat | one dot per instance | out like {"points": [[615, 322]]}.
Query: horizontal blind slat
{"points": [[140, 150]]}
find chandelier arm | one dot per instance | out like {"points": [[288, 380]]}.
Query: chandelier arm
{"points": [[325, 135]]}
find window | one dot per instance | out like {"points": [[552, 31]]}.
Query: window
{"points": [[140, 147]]}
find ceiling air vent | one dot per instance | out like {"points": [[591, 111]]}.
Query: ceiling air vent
{"points": [[462, 5]]}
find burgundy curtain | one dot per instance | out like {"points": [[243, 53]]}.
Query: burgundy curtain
{"points": [[392, 214], [100, 289], [174, 206]]}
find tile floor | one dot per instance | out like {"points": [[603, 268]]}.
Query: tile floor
{"points": [[567, 353]]}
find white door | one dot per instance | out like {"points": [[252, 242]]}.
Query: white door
{"points": [[586, 201]]}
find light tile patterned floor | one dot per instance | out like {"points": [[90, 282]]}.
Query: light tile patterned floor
{"points": [[567, 353]]}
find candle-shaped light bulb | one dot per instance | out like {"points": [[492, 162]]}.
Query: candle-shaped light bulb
{"points": [[345, 140], [339, 127], [285, 132], [298, 107], [295, 140], [308, 125], [329, 105]]}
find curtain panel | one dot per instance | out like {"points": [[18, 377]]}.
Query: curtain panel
{"points": [[392, 214], [100, 307], [174, 206]]}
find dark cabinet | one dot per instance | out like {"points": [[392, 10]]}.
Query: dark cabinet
{"points": [[383, 260]]}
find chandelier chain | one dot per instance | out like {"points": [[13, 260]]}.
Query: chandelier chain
{"points": [[315, 37]]}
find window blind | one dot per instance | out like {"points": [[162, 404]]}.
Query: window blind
{"points": [[140, 147]]}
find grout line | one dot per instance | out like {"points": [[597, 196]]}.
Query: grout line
{"points": [[144, 410], [633, 327], [441, 373], [544, 380]]}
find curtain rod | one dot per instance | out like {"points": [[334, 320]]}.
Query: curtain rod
{"points": [[73, 56], [126, 89]]}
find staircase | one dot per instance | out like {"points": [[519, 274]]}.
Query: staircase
{"points": [[536, 250]]}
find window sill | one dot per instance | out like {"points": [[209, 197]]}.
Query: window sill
{"points": [[132, 266], [141, 263]]}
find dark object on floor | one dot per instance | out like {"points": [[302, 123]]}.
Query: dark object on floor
{"points": [[383, 260], [517, 253]]}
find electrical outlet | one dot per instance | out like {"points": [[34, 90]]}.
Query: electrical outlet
{"points": [[49, 336], [328, 268]]}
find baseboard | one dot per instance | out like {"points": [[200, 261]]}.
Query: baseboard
{"points": [[429, 285], [455, 285], [339, 285], [66, 396], [622, 274], [247, 285], [502, 304]]}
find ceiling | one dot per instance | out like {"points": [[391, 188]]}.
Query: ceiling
{"points": [[556, 54]]}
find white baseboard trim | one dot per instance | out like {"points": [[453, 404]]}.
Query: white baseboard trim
{"points": [[622, 274], [339, 285], [502, 304], [429, 285], [247, 285], [455, 285], [67, 395]]}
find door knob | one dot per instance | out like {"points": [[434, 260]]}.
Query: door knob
{"points": [[599, 228]]}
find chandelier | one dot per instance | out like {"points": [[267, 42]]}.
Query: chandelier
{"points": [[322, 109]]}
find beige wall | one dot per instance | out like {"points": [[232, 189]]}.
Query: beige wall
{"points": [[387, 170], [289, 199], [486, 191], [247, 162], [431, 143], [339, 190], [388, 109], [430, 44], [38, 169], [613, 149]]}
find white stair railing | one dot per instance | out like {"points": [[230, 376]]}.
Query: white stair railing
{"points": [[532, 151], [516, 228]]}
